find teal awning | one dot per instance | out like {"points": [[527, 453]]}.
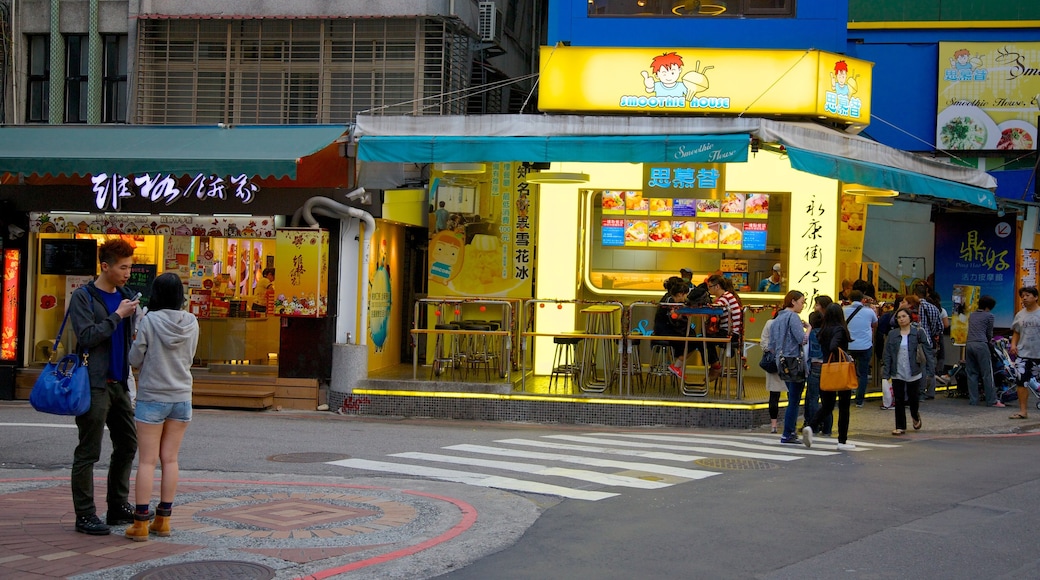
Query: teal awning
{"points": [[730, 148], [885, 177], [256, 151]]}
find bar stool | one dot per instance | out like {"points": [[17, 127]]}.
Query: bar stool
{"points": [[599, 319], [732, 362], [478, 351], [565, 363], [660, 358], [446, 354]]}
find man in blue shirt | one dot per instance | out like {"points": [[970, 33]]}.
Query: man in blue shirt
{"points": [[773, 282], [861, 320]]}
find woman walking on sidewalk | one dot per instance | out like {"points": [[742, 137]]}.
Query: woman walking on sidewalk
{"points": [[834, 334], [787, 335], [163, 349], [901, 363]]}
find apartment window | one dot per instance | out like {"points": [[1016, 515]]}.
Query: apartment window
{"points": [[37, 99], [298, 71], [115, 88], [76, 71], [692, 8], [76, 79]]}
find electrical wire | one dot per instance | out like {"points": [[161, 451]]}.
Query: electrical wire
{"points": [[778, 79]]}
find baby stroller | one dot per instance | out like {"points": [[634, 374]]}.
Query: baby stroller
{"points": [[1005, 373]]}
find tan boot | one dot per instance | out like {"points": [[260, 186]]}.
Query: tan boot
{"points": [[138, 532], [161, 525]]}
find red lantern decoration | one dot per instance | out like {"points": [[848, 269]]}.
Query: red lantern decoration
{"points": [[483, 308]]}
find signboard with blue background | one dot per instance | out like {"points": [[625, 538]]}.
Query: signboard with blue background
{"points": [[978, 251]]}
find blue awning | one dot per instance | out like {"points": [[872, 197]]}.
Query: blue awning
{"points": [[731, 148], [1016, 184], [882, 176]]}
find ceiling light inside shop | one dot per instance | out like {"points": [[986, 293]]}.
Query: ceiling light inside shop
{"points": [[462, 168], [867, 200], [698, 7], [871, 192], [557, 177]]}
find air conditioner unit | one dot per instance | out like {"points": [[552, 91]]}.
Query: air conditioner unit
{"points": [[490, 25]]}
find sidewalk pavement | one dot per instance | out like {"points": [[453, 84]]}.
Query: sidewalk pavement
{"points": [[287, 526], [263, 526]]}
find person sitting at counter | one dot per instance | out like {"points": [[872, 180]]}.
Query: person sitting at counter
{"points": [[667, 321], [266, 281], [773, 282], [731, 323]]}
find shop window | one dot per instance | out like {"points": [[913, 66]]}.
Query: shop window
{"points": [[632, 247], [225, 282], [692, 8]]}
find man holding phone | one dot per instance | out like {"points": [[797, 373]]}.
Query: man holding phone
{"points": [[102, 315]]}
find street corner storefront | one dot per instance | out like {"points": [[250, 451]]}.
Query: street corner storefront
{"points": [[629, 180], [206, 203]]}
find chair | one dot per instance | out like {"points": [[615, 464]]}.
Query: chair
{"points": [[732, 362], [660, 358], [564, 361], [479, 352], [446, 354]]}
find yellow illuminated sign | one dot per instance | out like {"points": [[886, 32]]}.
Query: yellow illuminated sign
{"points": [[705, 81]]}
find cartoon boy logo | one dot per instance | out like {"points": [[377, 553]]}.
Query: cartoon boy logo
{"points": [[961, 60], [446, 257], [840, 83], [667, 68]]}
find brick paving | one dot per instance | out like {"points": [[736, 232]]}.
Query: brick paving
{"points": [[295, 528]]}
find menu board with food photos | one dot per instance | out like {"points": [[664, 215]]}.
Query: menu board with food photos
{"points": [[734, 222]]}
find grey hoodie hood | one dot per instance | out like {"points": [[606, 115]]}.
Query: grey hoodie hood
{"points": [[173, 328], [163, 350]]}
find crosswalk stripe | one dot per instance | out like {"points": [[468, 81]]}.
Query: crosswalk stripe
{"points": [[592, 461], [773, 440], [709, 450], [477, 479], [604, 450], [534, 469], [798, 450]]}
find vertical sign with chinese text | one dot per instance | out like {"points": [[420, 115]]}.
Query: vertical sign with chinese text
{"points": [[302, 262], [813, 243], [977, 250]]}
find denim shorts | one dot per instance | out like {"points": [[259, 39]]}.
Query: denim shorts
{"points": [[155, 413]]}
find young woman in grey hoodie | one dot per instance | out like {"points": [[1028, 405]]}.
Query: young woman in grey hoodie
{"points": [[163, 349]]}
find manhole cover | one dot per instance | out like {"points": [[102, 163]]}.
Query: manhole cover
{"points": [[214, 569], [308, 457], [734, 463]]}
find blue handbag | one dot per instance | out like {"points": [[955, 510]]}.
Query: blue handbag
{"points": [[63, 388]]}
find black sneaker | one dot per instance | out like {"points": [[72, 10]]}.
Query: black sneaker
{"points": [[120, 515], [92, 525]]}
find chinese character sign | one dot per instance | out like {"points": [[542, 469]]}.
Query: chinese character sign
{"points": [[493, 254], [302, 262], [814, 240], [977, 251]]}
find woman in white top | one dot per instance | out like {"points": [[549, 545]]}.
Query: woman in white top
{"points": [[774, 385], [900, 364]]}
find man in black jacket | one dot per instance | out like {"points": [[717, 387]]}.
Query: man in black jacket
{"points": [[102, 315]]}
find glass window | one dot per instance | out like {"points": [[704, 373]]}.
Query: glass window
{"points": [[37, 101], [115, 86], [76, 71], [688, 8]]}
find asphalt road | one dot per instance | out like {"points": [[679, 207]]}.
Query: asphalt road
{"points": [[946, 506]]}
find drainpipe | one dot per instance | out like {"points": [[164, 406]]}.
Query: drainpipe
{"points": [[56, 102], [327, 207], [94, 72]]}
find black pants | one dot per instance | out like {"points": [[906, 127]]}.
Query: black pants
{"points": [[906, 392], [827, 409], [108, 406]]}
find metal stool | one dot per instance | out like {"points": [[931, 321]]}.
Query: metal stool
{"points": [[564, 361], [732, 363], [446, 355], [660, 359], [478, 351]]}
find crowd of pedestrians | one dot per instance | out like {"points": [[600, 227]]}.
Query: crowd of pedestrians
{"points": [[905, 337]]}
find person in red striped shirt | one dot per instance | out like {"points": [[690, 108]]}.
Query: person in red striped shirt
{"points": [[731, 323]]}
